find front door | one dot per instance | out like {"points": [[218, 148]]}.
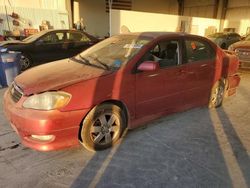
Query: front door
{"points": [[161, 91]]}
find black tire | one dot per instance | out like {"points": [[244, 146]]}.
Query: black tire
{"points": [[217, 94], [25, 62], [223, 46], [102, 127]]}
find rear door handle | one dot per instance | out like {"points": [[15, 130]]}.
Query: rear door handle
{"points": [[182, 71]]}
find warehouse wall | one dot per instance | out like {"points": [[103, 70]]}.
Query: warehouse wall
{"points": [[238, 15], [134, 21], [37, 4], [33, 12], [156, 6], [94, 15], [199, 8], [32, 18]]}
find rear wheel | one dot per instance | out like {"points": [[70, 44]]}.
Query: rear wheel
{"points": [[217, 94], [102, 127], [25, 62]]}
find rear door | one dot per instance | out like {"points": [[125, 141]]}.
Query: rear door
{"points": [[200, 63]]}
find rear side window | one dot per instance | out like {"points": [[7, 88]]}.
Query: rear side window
{"points": [[77, 37], [197, 50]]}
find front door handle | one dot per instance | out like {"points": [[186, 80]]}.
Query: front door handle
{"points": [[153, 75]]}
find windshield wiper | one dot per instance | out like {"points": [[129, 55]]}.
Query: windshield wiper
{"points": [[100, 62], [85, 62]]}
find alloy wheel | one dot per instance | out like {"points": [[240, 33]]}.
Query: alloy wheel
{"points": [[24, 62], [217, 95], [105, 129]]}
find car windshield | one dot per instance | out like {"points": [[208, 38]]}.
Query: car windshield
{"points": [[216, 35], [114, 52], [34, 37]]}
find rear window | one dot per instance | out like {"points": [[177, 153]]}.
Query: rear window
{"points": [[197, 50]]}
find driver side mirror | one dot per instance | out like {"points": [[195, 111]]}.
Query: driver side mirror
{"points": [[148, 66]]}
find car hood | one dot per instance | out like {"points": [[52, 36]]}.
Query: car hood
{"points": [[56, 75], [12, 42], [241, 44]]}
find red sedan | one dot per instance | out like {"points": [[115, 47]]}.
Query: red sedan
{"points": [[121, 82]]}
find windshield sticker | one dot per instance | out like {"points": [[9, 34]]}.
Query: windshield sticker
{"points": [[137, 46], [117, 63]]}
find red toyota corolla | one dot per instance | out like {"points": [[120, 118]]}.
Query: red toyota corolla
{"points": [[121, 82]]}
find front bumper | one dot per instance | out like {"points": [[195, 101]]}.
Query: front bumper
{"points": [[64, 126]]}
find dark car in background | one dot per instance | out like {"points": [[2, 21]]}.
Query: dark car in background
{"points": [[242, 50], [224, 40], [50, 45]]}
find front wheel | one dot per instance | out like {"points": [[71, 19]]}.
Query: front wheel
{"points": [[223, 46], [102, 127], [217, 95]]}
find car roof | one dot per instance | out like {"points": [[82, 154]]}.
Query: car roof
{"points": [[156, 34], [59, 30]]}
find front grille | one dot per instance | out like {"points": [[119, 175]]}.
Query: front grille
{"points": [[243, 54], [15, 93]]}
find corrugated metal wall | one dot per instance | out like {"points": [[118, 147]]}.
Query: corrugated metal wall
{"points": [[31, 17], [238, 15], [199, 8]]}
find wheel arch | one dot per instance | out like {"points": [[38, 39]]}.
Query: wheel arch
{"points": [[110, 101]]}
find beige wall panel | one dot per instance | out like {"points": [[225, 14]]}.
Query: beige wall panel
{"points": [[95, 16], [238, 18], [141, 22]]}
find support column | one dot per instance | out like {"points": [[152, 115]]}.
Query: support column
{"points": [[180, 7]]}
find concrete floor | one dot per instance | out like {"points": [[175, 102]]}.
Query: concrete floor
{"points": [[198, 148]]}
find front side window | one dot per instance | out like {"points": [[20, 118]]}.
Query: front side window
{"points": [[53, 38], [166, 53], [198, 51]]}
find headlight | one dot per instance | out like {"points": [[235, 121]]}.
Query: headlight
{"points": [[47, 100], [3, 50]]}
